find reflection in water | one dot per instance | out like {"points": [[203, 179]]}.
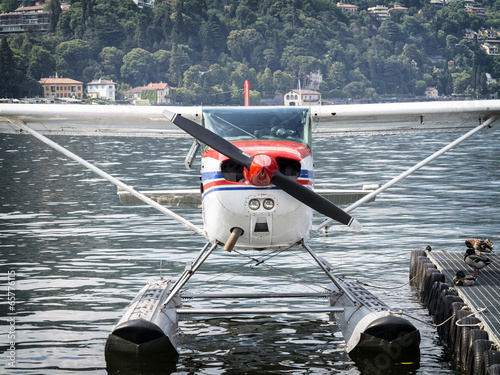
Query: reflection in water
{"points": [[80, 256]]}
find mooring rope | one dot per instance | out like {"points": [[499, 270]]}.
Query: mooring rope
{"points": [[401, 312], [392, 287], [480, 324]]}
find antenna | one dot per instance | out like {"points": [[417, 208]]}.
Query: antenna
{"points": [[247, 93]]}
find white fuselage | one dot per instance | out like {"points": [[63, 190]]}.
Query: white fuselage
{"points": [[226, 204]]}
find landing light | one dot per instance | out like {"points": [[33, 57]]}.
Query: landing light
{"points": [[254, 204], [268, 204]]}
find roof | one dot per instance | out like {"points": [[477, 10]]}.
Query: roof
{"points": [[101, 82], [44, 81], [30, 9], [137, 89], [341, 5], [156, 86]]}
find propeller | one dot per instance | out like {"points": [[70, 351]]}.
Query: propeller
{"points": [[261, 170]]}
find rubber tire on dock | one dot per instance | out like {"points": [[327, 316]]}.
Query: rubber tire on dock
{"points": [[434, 302], [474, 334], [425, 288], [462, 338], [418, 268], [413, 261], [445, 311], [422, 272], [475, 363], [452, 335], [493, 370], [491, 357], [431, 285]]}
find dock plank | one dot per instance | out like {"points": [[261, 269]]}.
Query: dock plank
{"points": [[485, 293]]}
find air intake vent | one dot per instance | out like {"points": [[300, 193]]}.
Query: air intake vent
{"points": [[261, 227]]}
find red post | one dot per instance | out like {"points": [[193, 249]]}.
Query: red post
{"points": [[247, 93]]}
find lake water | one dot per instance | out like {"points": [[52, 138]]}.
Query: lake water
{"points": [[77, 257]]}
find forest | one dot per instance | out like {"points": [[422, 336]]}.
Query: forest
{"points": [[206, 49]]}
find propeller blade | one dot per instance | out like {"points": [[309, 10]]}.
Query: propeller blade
{"points": [[210, 139], [292, 187], [313, 200]]}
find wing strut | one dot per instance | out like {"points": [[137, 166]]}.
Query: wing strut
{"points": [[110, 178], [408, 172]]}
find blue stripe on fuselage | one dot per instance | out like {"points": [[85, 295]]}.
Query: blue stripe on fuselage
{"points": [[217, 175]]}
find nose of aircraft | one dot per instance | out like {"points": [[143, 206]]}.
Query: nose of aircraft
{"points": [[261, 170]]}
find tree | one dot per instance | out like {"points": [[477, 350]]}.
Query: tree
{"points": [[420, 87], [337, 75], [179, 63], [213, 38], [55, 12], [245, 44], [7, 69], [266, 83], [76, 55], [111, 59], [137, 67], [461, 82], [283, 81], [8, 6], [13, 82], [41, 63], [355, 89]]}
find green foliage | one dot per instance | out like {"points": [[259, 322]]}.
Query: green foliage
{"points": [[206, 51], [150, 95], [14, 83]]}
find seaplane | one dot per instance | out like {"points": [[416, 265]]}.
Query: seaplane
{"points": [[256, 193]]}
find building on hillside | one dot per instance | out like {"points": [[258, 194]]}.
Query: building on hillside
{"points": [[489, 79], [477, 10], [102, 89], [62, 88], [315, 79], [380, 12], [491, 48], [470, 34], [33, 17], [348, 8], [23, 19], [431, 92], [298, 98], [134, 94], [436, 3], [156, 93], [146, 3], [490, 33], [400, 8]]}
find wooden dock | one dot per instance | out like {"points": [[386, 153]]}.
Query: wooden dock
{"points": [[485, 293], [467, 318]]}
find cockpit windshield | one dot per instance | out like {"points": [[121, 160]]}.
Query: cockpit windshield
{"points": [[247, 124]]}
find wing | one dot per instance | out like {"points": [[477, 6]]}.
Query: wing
{"points": [[362, 119], [331, 120], [95, 120]]}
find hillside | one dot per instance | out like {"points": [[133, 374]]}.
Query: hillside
{"points": [[207, 48]]}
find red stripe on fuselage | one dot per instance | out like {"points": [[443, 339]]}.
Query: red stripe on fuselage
{"points": [[274, 149]]}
